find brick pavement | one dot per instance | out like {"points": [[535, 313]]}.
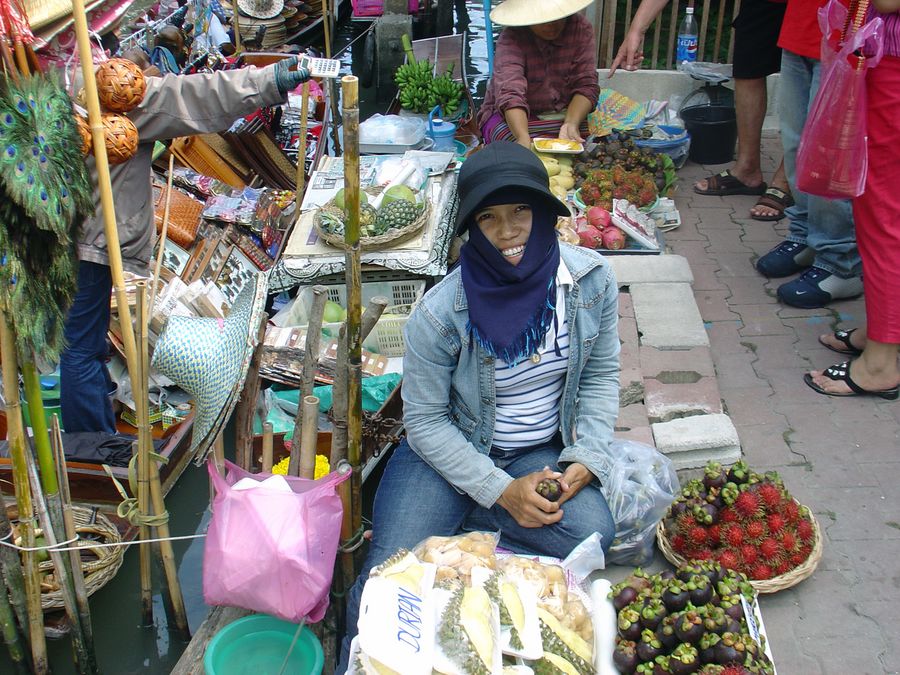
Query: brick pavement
{"points": [[839, 456]]}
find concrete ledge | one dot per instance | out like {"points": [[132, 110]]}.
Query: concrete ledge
{"points": [[641, 269], [667, 316], [691, 442]]}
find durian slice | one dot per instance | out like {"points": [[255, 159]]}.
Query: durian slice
{"points": [[475, 617], [564, 642], [366, 665], [404, 569], [558, 663]]}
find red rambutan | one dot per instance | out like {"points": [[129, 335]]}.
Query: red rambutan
{"points": [[747, 505], [770, 495], [728, 515], [685, 522], [805, 531], [678, 542], [749, 554], [761, 571], [702, 554], [755, 530], [731, 534], [714, 534], [770, 549], [799, 556], [783, 567], [791, 511], [789, 541], [734, 669], [696, 536], [776, 522], [729, 559]]}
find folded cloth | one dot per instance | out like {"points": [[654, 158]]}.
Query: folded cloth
{"points": [[615, 111], [95, 447]]}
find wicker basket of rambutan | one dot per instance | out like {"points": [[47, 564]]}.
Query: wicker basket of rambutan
{"points": [[745, 521]]}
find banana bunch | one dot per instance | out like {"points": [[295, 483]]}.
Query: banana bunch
{"points": [[420, 91]]}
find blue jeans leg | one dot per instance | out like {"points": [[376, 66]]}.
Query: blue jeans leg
{"points": [[825, 225], [84, 380]]}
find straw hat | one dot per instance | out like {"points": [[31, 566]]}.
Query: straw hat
{"points": [[209, 358], [531, 12], [261, 9]]}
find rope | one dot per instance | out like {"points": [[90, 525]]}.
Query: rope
{"points": [[129, 509], [361, 36], [353, 542], [61, 546]]}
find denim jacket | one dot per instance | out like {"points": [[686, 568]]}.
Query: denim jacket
{"points": [[448, 383]]}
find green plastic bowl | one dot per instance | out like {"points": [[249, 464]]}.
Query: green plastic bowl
{"points": [[257, 645]]}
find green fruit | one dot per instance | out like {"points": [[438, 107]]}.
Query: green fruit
{"points": [[397, 214], [398, 192], [339, 198], [334, 313]]}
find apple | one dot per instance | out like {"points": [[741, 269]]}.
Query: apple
{"points": [[598, 217], [613, 238]]}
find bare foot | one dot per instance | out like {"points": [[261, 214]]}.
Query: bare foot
{"points": [[857, 339], [860, 375]]}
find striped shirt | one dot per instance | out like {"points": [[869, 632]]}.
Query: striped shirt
{"points": [[528, 394]]}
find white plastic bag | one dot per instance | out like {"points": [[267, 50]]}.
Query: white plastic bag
{"points": [[392, 130], [640, 488]]}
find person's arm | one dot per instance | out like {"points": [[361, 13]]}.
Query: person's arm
{"points": [[630, 54], [597, 398], [578, 110], [517, 121]]}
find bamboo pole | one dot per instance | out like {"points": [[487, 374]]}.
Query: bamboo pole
{"points": [[39, 428], [308, 373], [301, 151], [172, 595], [65, 497], [267, 450], [162, 235], [326, 28], [16, 439], [84, 657], [237, 26], [247, 406], [13, 613], [309, 436], [142, 451]]}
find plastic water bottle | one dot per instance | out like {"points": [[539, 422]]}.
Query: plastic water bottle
{"points": [[686, 50]]}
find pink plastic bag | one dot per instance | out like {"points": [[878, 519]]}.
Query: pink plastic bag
{"points": [[271, 551], [832, 159]]}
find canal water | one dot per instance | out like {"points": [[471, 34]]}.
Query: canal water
{"points": [[123, 645]]}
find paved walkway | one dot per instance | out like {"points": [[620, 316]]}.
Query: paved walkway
{"points": [[839, 456]]}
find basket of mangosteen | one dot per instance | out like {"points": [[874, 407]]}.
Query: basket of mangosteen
{"points": [[701, 618], [746, 522], [400, 216]]}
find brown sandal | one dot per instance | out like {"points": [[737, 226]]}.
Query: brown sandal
{"points": [[726, 183], [775, 199]]}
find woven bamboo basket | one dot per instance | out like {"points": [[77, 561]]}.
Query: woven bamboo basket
{"points": [[99, 564], [121, 137], [390, 238], [120, 85], [773, 585]]}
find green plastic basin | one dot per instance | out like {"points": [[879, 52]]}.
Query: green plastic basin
{"points": [[257, 645]]}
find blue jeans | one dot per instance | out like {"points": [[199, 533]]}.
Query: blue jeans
{"points": [[825, 225], [414, 502], [85, 383]]}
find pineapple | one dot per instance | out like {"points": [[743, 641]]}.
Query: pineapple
{"points": [[396, 215]]}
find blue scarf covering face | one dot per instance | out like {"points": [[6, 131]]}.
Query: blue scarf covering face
{"points": [[511, 307]]}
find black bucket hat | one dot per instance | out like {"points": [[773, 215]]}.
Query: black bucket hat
{"points": [[497, 166]]}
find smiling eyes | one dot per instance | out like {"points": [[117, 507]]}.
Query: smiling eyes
{"points": [[484, 216]]}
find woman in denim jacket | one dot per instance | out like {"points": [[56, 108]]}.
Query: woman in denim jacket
{"points": [[511, 375]]}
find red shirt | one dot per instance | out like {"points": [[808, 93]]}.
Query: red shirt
{"points": [[541, 76], [800, 32]]}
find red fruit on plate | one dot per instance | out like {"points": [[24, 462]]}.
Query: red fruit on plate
{"points": [[613, 238], [589, 236], [598, 217]]}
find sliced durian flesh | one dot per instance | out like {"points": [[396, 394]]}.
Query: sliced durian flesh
{"points": [[475, 616], [557, 665]]}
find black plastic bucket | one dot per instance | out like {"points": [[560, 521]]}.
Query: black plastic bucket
{"points": [[713, 130]]}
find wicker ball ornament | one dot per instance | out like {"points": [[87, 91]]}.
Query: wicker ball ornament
{"points": [[84, 131], [121, 137], [120, 85]]}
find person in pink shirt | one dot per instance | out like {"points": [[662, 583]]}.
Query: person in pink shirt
{"points": [[545, 77]]}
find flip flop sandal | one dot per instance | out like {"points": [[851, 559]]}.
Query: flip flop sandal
{"points": [[724, 183], [841, 373], [843, 336], [775, 199]]}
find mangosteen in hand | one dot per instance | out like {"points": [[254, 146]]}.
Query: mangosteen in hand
{"points": [[549, 489], [684, 660], [689, 627], [649, 647], [625, 657]]}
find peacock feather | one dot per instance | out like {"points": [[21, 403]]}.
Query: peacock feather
{"points": [[41, 166], [45, 194]]}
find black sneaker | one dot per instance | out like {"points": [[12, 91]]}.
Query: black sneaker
{"points": [[786, 259], [816, 288]]}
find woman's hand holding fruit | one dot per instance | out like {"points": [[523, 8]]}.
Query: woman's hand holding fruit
{"points": [[575, 477], [526, 505]]}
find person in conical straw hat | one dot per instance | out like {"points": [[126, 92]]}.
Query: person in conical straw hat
{"points": [[545, 79]]}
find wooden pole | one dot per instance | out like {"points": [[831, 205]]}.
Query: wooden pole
{"points": [[326, 28], [301, 151], [237, 26], [162, 235], [309, 436], [172, 595], [247, 406], [12, 598], [267, 450], [142, 451], [14, 643], [308, 373], [16, 438], [65, 497]]}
